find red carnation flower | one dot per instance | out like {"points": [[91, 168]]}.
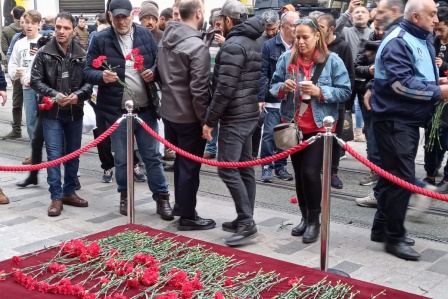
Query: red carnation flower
{"points": [[97, 63], [89, 296], [138, 66], [229, 282], [16, 259], [218, 295], [292, 68], [113, 252], [128, 57], [139, 59], [55, 268], [171, 295], [44, 287], [135, 51], [94, 250], [119, 296], [131, 283], [83, 258], [293, 282], [293, 200]]}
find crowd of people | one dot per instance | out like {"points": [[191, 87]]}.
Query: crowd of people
{"points": [[220, 94]]}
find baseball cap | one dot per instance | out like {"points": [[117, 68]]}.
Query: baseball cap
{"points": [[120, 7], [235, 10], [370, 5]]}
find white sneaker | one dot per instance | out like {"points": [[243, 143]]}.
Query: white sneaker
{"points": [[419, 204], [369, 201]]}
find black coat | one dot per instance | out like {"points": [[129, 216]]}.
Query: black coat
{"points": [[106, 43], [342, 48], [236, 78], [366, 57], [46, 75]]}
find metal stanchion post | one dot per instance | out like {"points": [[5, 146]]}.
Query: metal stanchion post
{"points": [[328, 123], [130, 159]]}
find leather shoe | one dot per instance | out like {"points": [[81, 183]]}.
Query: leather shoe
{"points": [[74, 200], [299, 230], [381, 238], [197, 223], [243, 234], [26, 182], [124, 203], [402, 251], [164, 207], [55, 208], [230, 226], [311, 232]]}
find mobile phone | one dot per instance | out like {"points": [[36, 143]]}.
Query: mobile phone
{"points": [[217, 31], [33, 45]]}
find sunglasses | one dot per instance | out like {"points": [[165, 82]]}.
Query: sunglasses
{"points": [[305, 21]]}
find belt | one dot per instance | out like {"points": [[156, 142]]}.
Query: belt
{"points": [[137, 110]]}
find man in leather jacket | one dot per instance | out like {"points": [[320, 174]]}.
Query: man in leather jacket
{"points": [[57, 73]]}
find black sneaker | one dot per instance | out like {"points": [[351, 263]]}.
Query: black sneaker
{"points": [[243, 234], [230, 226], [442, 187], [283, 174]]}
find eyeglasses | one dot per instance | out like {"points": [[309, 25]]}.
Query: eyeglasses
{"points": [[305, 21]]}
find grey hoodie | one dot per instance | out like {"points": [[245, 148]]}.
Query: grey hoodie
{"points": [[183, 63]]}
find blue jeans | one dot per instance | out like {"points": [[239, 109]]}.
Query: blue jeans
{"points": [[358, 114], [30, 104], [62, 136], [149, 150], [210, 146], [268, 147]]}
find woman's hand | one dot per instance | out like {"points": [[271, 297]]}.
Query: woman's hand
{"points": [[310, 89], [289, 86]]}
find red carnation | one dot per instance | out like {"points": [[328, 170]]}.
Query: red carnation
{"points": [[113, 252], [172, 295], [135, 51], [94, 250], [138, 66], [131, 283], [293, 282], [83, 258], [44, 287], [89, 296], [179, 278], [139, 59], [55, 268], [229, 282], [97, 63], [104, 280], [16, 259], [128, 57], [293, 200], [78, 290], [119, 296], [218, 295], [445, 73]]}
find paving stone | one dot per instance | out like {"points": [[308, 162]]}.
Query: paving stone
{"points": [[292, 247], [28, 206], [348, 267], [315, 248], [432, 255], [272, 221], [18, 220], [106, 188], [104, 218], [30, 195], [440, 267], [38, 245]]}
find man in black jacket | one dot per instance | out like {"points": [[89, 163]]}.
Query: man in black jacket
{"points": [[57, 72], [339, 46], [116, 42], [235, 105]]}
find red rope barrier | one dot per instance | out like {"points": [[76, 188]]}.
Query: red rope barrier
{"points": [[266, 160], [392, 178], [67, 157]]}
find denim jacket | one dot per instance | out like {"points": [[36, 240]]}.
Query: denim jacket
{"points": [[334, 82]]}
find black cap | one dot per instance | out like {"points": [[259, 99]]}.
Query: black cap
{"points": [[120, 7]]}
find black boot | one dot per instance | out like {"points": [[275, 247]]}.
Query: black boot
{"points": [[312, 230], [243, 234], [124, 203], [299, 230], [230, 226], [164, 207], [30, 180]]}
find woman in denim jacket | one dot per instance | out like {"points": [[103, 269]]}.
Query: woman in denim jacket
{"points": [[333, 86]]}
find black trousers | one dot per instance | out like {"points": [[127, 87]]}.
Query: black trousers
{"points": [[104, 147], [186, 172], [256, 139], [307, 165], [336, 150], [397, 146]]}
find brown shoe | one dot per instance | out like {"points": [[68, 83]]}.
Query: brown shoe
{"points": [[163, 207], [74, 200], [27, 161], [169, 155], [4, 200], [209, 156], [55, 208]]}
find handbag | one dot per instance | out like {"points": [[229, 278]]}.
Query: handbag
{"points": [[347, 130], [288, 135]]}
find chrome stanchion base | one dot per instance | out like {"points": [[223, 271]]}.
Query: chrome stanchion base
{"points": [[335, 271]]}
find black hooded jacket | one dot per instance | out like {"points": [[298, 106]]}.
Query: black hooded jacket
{"points": [[342, 48], [236, 78]]}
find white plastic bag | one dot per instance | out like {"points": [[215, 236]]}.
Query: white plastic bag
{"points": [[89, 120]]}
